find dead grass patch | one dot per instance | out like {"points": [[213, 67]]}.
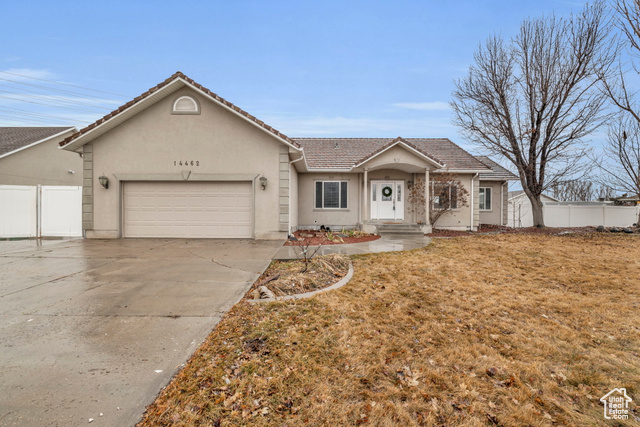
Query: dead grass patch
{"points": [[296, 278], [504, 330]]}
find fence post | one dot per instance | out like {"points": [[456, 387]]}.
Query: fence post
{"points": [[604, 215], [39, 211]]}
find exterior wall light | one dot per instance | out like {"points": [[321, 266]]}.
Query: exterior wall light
{"points": [[104, 181], [263, 182]]}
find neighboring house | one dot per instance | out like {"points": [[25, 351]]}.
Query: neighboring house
{"points": [[32, 156], [626, 200], [520, 213], [493, 193], [180, 161]]}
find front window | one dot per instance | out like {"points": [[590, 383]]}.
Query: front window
{"points": [[445, 196], [485, 199], [331, 194]]}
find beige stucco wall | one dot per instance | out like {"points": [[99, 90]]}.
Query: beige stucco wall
{"points": [[42, 164], [498, 213], [460, 219], [309, 216], [224, 144], [396, 155]]}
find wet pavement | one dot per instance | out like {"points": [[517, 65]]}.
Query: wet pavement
{"points": [[93, 329], [386, 243]]}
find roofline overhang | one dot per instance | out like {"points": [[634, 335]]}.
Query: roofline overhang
{"points": [[72, 129], [406, 147], [470, 171], [498, 179], [132, 111]]}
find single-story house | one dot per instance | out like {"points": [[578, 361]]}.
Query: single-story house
{"points": [[180, 161], [31, 156]]}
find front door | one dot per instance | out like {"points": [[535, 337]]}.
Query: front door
{"points": [[387, 200]]}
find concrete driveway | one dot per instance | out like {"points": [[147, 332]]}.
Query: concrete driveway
{"points": [[93, 329]]}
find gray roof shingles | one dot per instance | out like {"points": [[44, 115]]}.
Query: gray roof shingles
{"points": [[14, 138], [344, 153], [499, 173]]}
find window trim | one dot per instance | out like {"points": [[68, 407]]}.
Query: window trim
{"points": [[323, 181], [485, 199]]}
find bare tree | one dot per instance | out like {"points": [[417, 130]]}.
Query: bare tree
{"points": [[573, 190], [620, 161], [534, 99], [446, 193]]}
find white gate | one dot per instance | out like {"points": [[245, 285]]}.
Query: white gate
{"points": [[40, 211]]}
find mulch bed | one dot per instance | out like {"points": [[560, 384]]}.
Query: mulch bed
{"points": [[294, 278], [317, 238]]}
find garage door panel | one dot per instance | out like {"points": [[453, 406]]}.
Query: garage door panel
{"points": [[188, 209]]}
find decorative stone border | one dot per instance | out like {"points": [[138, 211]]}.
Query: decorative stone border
{"points": [[336, 285]]}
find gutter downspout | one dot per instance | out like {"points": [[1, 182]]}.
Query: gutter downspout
{"points": [[290, 209], [502, 202], [472, 202]]}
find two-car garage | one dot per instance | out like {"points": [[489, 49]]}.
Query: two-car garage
{"points": [[192, 209]]}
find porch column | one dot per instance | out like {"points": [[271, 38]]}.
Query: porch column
{"points": [[427, 184], [365, 197]]}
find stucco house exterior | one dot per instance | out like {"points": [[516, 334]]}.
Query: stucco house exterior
{"points": [[494, 193], [31, 156], [180, 161]]}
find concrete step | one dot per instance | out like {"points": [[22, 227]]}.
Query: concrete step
{"points": [[399, 229]]}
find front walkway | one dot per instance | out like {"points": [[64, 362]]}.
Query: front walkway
{"points": [[386, 243]]}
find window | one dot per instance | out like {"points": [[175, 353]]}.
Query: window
{"points": [[445, 196], [185, 105], [331, 194], [485, 198]]}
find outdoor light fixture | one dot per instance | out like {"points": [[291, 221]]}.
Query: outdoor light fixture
{"points": [[104, 181], [263, 182]]}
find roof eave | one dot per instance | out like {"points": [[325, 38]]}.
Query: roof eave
{"points": [[406, 147], [70, 129], [151, 99]]}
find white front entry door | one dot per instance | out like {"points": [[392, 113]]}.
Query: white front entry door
{"points": [[387, 200]]}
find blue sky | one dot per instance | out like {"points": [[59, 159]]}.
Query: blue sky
{"points": [[329, 68]]}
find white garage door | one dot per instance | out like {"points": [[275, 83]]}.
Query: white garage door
{"points": [[187, 209]]}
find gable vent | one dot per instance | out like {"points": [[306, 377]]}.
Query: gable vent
{"points": [[186, 105]]}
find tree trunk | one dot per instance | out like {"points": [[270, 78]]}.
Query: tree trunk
{"points": [[536, 209]]}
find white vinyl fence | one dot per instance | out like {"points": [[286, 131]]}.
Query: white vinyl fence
{"points": [[520, 215], [40, 211]]}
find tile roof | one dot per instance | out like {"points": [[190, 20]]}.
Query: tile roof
{"points": [[499, 173], [154, 89], [344, 153], [14, 138]]}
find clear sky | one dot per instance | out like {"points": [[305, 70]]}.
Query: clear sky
{"points": [[308, 68]]}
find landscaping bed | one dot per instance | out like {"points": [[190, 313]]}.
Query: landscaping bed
{"points": [[297, 277], [505, 329], [317, 237]]}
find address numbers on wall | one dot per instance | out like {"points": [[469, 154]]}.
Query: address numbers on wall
{"points": [[186, 163]]}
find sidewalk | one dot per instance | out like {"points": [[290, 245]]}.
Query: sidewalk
{"points": [[386, 243]]}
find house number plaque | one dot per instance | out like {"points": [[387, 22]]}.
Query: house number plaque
{"points": [[186, 163]]}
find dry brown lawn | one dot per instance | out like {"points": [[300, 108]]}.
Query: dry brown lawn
{"points": [[504, 330]]}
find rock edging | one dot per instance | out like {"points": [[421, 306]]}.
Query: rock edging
{"points": [[340, 283]]}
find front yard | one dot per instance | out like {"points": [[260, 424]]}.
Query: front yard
{"points": [[490, 330]]}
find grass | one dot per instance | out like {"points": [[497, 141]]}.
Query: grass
{"points": [[493, 330]]}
